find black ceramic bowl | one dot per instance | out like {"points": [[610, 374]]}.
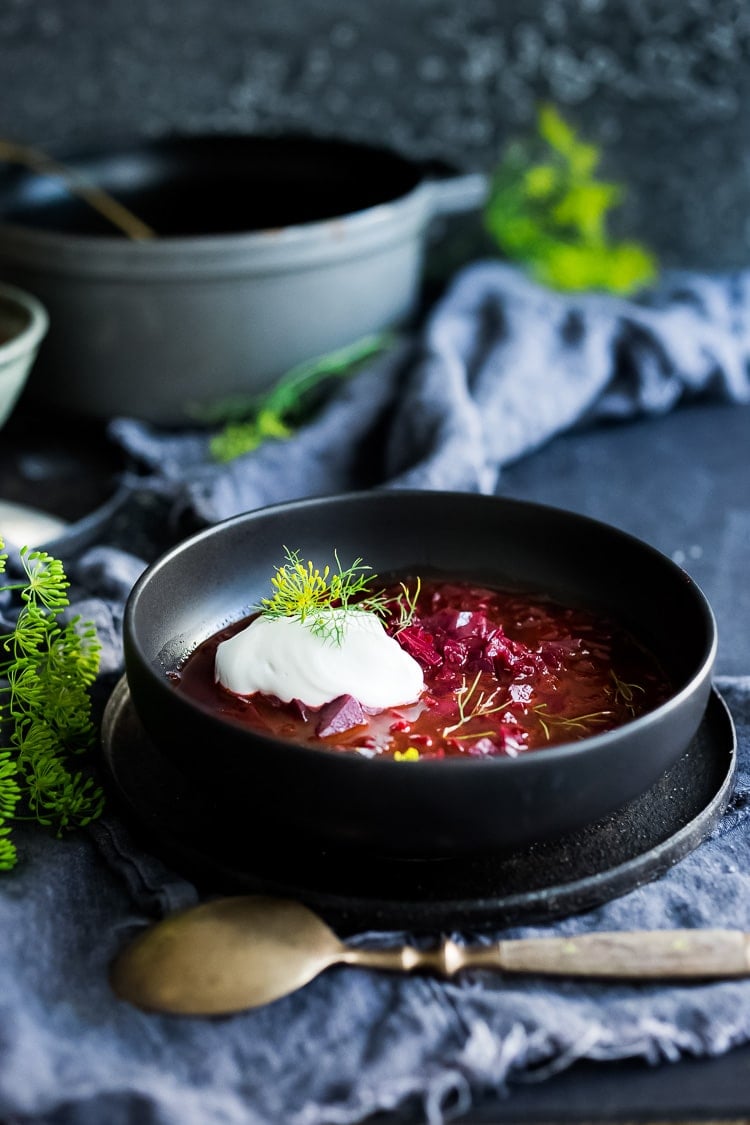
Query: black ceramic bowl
{"points": [[430, 808]]}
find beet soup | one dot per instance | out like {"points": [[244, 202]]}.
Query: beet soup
{"points": [[505, 673]]}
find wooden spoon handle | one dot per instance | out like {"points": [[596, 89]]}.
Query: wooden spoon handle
{"points": [[100, 200], [636, 955]]}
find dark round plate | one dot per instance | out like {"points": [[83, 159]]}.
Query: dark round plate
{"points": [[539, 882]]}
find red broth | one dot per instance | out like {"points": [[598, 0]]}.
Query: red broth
{"points": [[505, 674]]}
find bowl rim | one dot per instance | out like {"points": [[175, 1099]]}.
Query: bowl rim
{"points": [[560, 753], [32, 334]]}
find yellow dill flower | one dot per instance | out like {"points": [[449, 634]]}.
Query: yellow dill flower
{"points": [[411, 754]]}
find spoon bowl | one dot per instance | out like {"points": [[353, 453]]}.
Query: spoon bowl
{"points": [[224, 956]]}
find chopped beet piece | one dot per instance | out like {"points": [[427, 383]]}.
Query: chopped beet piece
{"points": [[339, 715], [455, 652], [399, 725], [506, 652], [420, 739], [482, 748], [446, 680], [472, 625], [300, 709], [555, 654], [419, 644], [520, 693]]}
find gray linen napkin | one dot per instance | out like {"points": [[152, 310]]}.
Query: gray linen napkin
{"points": [[352, 1042], [500, 367]]}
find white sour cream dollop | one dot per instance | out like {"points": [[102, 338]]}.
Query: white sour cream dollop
{"points": [[282, 656]]}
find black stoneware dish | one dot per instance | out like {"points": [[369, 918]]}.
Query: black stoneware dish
{"points": [[430, 808]]}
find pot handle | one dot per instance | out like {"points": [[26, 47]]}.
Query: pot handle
{"points": [[455, 194]]}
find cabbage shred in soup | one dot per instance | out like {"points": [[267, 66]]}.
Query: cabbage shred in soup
{"points": [[505, 674]]}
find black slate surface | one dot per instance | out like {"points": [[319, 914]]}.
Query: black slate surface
{"points": [[680, 482]]}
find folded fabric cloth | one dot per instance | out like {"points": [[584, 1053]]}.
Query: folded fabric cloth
{"points": [[501, 365], [353, 1042]]}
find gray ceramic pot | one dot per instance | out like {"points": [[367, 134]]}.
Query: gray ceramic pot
{"points": [[270, 252]]}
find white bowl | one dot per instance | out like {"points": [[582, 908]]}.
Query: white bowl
{"points": [[23, 325]]}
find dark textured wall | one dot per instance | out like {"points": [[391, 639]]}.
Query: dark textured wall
{"points": [[664, 85]]}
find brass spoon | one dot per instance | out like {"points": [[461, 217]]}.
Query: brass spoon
{"points": [[78, 185], [235, 953]]}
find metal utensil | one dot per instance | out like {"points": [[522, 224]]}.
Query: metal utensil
{"points": [[236, 953], [112, 210]]}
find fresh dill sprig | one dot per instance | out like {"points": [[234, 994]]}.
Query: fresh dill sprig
{"points": [[322, 599], [575, 722], [548, 210], [473, 706], [46, 670], [302, 591], [624, 693], [405, 604], [277, 413]]}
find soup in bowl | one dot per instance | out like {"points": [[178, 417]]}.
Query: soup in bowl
{"points": [[418, 673]]}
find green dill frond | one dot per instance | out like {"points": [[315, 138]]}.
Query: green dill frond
{"points": [[45, 775], [276, 414], [624, 693], [54, 795], [80, 802], [32, 631], [10, 790], [239, 438], [25, 691], [322, 599], [34, 742], [46, 670], [77, 649], [299, 588], [405, 605], [8, 856], [354, 583], [473, 706], [574, 723], [548, 210], [47, 583]]}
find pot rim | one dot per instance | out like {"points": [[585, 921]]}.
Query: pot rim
{"points": [[274, 250], [255, 252]]}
